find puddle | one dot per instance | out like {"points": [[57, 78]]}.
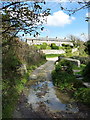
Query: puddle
{"points": [[45, 92], [45, 100]]}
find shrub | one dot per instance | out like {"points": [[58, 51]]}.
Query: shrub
{"points": [[87, 49], [77, 84], [86, 73], [43, 46], [53, 46], [16, 53], [58, 68], [63, 73], [65, 80], [83, 95], [68, 65]]}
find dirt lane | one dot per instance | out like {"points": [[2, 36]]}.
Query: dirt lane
{"points": [[42, 101]]}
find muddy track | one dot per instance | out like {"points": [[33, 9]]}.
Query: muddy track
{"points": [[42, 100]]}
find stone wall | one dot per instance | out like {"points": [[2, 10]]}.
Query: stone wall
{"points": [[57, 51], [53, 51]]}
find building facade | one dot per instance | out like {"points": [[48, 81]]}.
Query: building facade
{"points": [[49, 41]]}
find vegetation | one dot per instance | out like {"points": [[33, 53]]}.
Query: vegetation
{"points": [[64, 78], [46, 46], [77, 43], [26, 17], [23, 16], [16, 55], [83, 57], [53, 46], [83, 95], [87, 48], [52, 55], [43, 46], [86, 73], [68, 49]]}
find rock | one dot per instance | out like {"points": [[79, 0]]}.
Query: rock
{"points": [[22, 69], [78, 75], [76, 71], [32, 77], [79, 78], [86, 84]]}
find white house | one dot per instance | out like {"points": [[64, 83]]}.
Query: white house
{"points": [[57, 41]]}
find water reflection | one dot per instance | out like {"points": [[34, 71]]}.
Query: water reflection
{"points": [[44, 92]]}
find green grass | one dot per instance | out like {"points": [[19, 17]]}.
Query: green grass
{"points": [[48, 48], [68, 83], [12, 92], [52, 55], [82, 66], [38, 46]]}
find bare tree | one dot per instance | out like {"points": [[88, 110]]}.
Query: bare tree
{"points": [[83, 4]]}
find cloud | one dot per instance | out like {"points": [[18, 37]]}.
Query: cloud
{"points": [[59, 19]]}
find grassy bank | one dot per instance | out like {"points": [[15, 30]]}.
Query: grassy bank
{"points": [[16, 55]]}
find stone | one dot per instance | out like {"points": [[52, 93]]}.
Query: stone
{"points": [[79, 78], [75, 61], [22, 69], [86, 84], [32, 77]]}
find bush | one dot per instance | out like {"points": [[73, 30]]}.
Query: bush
{"points": [[68, 49], [63, 73], [86, 73], [83, 95], [65, 80], [77, 84], [87, 49], [15, 54], [68, 65], [53, 46], [43, 46]]}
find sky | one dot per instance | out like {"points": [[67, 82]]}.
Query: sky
{"points": [[60, 24]]}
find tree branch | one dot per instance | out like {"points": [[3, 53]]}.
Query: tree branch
{"points": [[13, 3]]}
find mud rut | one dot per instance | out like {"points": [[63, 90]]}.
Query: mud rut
{"points": [[42, 101]]}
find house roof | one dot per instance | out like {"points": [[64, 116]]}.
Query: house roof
{"points": [[49, 39]]}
